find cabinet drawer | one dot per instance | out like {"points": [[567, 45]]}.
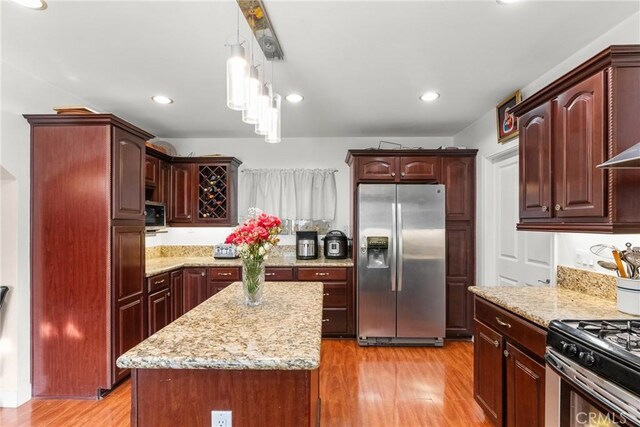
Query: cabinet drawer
{"points": [[158, 282], [224, 274], [334, 321], [526, 333], [335, 296], [278, 274], [322, 274]]}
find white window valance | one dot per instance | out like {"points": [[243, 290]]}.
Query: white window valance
{"points": [[291, 194]]}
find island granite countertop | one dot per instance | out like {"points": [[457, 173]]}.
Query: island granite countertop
{"points": [[163, 264], [541, 305], [283, 333]]}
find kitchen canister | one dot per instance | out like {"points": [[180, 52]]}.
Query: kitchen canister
{"points": [[629, 295]]}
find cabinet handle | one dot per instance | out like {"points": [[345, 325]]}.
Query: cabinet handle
{"points": [[545, 208], [159, 282], [188, 216], [202, 274], [322, 274], [269, 274], [402, 174], [496, 343], [506, 353], [326, 294], [168, 294], [223, 274], [558, 207], [393, 174], [501, 323], [325, 320]]}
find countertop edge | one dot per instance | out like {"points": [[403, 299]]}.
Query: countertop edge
{"points": [[482, 293]]}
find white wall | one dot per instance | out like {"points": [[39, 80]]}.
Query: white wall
{"points": [[291, 153], [482, 135], [21, 94]]}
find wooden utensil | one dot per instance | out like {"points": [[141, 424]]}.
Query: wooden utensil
{"points": [[618, 260]]}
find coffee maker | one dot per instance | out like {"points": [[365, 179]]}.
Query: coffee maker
{"points": [[306, 245]]}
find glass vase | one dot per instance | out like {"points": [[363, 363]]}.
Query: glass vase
{"points": [[252, 281]]}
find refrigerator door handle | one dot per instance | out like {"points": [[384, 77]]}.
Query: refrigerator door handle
{"points": [[392, 248], [399, 233]]}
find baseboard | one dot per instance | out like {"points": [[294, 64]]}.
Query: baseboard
{"points": [[15, 398]]}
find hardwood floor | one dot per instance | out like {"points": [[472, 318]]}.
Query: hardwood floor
{"points": [[359, 386]]}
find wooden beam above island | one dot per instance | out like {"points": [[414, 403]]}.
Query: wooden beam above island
{"points": [[261, 363]]}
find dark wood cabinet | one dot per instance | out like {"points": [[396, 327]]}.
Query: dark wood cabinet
{"points": [[535, 163], [181, 209], [87, 250], [177, 294], [158, 310], [569, 127], [509, 372], [162, 193], [221, 277], [151, 171], [488, 383], [194, 285], [456, 170], [525, 383]]}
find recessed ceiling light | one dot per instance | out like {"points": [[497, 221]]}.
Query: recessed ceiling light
{"points": [[506, 1], [32, 4], [161, 99], [429, 96], [294, 98]]}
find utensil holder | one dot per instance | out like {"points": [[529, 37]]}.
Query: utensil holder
{"points": [[628, 295]]}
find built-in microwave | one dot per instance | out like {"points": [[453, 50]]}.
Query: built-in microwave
{"points": [[155, 218]]}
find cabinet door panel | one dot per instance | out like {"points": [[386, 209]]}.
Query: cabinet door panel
{"points": [[578, 147], [195, 287], [182, 193], [127, 175], [163, 191], [457, 307], [377, 168], [458, 176], [460, 250], [151, 170], [419, 168], [525, 390], [128, 261], [177, 295], [535, 163], [128, 331], [159, 310], [488, 370]]}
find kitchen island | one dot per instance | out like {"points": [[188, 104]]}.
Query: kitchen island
{"points": [[261, 362]]}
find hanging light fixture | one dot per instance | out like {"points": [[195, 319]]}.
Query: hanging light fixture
{"points": [[236, 71], [264, 110], [273, 136], [252, 93]]}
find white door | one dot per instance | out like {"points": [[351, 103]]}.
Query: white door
{"points": [[521, 257]]}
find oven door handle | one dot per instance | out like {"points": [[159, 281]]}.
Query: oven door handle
{"points": [[596, 391]]}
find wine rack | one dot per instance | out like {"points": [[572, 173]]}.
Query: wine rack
{"points": [[213, 194]]}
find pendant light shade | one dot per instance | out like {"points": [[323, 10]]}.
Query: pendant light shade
{"points": [[264, 110], [236, 76], [251, 95], [273, 136]]}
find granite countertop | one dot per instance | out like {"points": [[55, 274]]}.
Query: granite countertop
{"points": [[283, 333], [541, 305], [163, 264]]}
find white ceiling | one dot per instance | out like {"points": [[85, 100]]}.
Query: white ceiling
{"points": [[361, 65]]}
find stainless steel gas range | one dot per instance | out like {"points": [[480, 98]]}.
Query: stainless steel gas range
{"points": [[593, 373]]}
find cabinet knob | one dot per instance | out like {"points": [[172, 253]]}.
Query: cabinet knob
{"points": [[506, 353], [402, 174], [496, 343], [393, 174], [202, 274], [188, 216], [558, 207], [545, 208]]}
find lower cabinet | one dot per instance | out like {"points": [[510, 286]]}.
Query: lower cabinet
{"points": [[177, 294], [221, 277], [194, 286], [158, 310], [128, 331], [509, 372]]}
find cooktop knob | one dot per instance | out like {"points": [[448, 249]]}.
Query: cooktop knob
{"points": [[587, 359], [569, 349]]}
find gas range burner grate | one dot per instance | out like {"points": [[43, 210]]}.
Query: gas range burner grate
{"points": [[625, 334]]}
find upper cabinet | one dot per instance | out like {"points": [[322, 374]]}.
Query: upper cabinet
{"points": [[398, 168], [128, 175], [566, 130]]}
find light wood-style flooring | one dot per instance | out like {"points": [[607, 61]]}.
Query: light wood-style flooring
{"points": [[368, 387]]}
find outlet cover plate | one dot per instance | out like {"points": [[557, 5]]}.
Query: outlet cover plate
{"points": [[220, 418]]}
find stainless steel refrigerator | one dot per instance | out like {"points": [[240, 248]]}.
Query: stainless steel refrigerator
{"points": [[401, 264]]}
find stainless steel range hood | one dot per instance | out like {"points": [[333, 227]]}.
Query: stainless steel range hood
{"points": [[628, 159]]}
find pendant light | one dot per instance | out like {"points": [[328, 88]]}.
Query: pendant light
{"points": [[273, 136], [264, 110], [252, 93], [236, 72]]}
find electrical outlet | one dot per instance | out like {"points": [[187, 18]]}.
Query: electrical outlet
{"points": [[220, 418]]}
